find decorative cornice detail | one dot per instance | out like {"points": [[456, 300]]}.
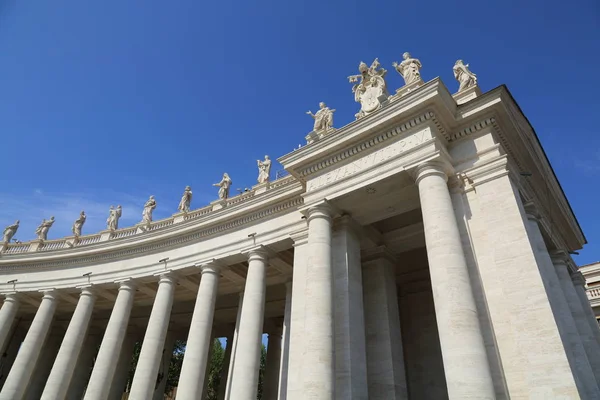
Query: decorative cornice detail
{"points": [[429, 115], [476, 127], [77, 261]]}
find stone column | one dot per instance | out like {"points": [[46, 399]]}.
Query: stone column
{"points": [[225, 368], [110, 349], [273, 363], [318, 378], [579, 283], [195, 359], [247, 357], [285, 350], [7, 316], [590, 345], [148, 364], [43, 367], [461, 339], [234, 347], [349, 321], [10, 352], [386, 373], [81, 375], [19, 376], [121, 376], [167, 355], [68, 354]]}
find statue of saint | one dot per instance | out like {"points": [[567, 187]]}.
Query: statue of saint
{"points": [[10, 231], [409, 68], [42, 230], [186, 200], [465, 78], [323, 118], [224, 186], [112, 222], [148, 208], [78, 224], [264, 169]]}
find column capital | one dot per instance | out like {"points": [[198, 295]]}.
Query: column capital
{"points": [[531, 211], [300, 237], [87, 290], [167, 276], [126, 284], [560, 257], [257, 253], [12, 297], [212, 266], [429, 168], [345, 221], [322, 210], [49, 293]]}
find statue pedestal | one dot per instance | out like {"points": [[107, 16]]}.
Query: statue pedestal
{"points": [[467, 94], [105, 235], [71, 241], [318, 135], [218, 204], [179, 217], [261, 187], [406, 89], [142, 227]]}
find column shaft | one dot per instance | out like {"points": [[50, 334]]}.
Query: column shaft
{"points": [[195, 360], [247, 358], [318, 378], [81, 375], [225, 369], [579, 282], [461, 339], [234, 347], [44, 365], [167, 355], [112, 342], [7, 317], [273, 363], [121, 377], [66, 359], [285, 349], [144, 379], [27, 358]]}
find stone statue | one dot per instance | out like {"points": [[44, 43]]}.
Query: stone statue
{"points": [[78, 224], [224, 186], [465, 78], [186, 200], [10, 231], [371, 91], [42, 230], [323, 118], [409, 69], [112, 223], [264, 169], [148, 208]]}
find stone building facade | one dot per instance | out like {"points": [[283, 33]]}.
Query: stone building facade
{"points": [[419, 252]]}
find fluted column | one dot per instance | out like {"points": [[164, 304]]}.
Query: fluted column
{"points": [[148, 364], [195, 359], [7, 316], [247, 357], [273, 364], [285, 347], [466, 366], [225, 368], [112, 342], [318, 379], [20, 374]]}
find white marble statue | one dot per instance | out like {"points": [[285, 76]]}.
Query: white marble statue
{"points": [[78, 224], [10, 231], [323, 118], [371, 91], [43, 228], [148, 208], [186, 200], [409, 69], [224, 186], [465, 78], [264, 170], [112, 223]]}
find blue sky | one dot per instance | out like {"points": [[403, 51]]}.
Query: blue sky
{"points": [[108, 102]]}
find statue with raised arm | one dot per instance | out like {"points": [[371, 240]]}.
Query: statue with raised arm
{"points": [[78, 224], [464, 76], [148, 208], [370, 89], [264, 170], [224, 186], [10, 231], [409, 69], [43, 228], [186, 200], [112, 223], [323, 118]]}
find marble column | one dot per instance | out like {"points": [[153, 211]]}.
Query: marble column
{"points": [[285, 348], [211, 349], [19, 376], [121, 376], [195, 359], [590, 345], [81, 375], [10, 352], [148, 364], [318, 375], [225, 368], [44, 365], [244, 383], [463, 350], [386, 373], [273, 364], [7, 317], [112, 342], [167, 355], [68, 354], [234, 347], [579, 283]]}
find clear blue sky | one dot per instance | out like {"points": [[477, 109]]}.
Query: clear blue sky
{"points": [[108, 102]]}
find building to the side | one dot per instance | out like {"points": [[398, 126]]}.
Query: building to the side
{"points": [[419, 252], [591, 273]]}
